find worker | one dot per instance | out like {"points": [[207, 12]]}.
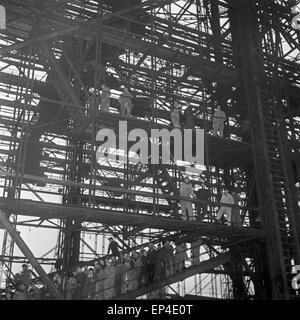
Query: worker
{"points": [[94, 100], [180, 256], [99, 277], [218, 122], [126, 104], [169, 258], [35, 292], [235, 216], [151, 259], [20, 293], [71, 286], [113, 247], [105, 98], [137, 269], [109, 281], [81, 278], [226, 198], [120, 280], [89, 286], [26, 275], [186, 191], [202, 195], [189, 117], [159, 267], [143, 272], [132, 272], [195, 250], [175, 115]]}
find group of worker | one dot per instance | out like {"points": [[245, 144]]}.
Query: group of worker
{"points": [[186, 190], [103, 100], [228, 204], [23, 287], [218, 122], [126, 106], [124, 273], [113, 276]]}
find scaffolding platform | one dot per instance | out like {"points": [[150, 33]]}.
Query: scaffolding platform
{"points": [[56, 211]]}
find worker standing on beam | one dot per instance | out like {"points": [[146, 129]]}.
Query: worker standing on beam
{"points": [[189, 119], [219, 119], [186, 191], [94, 100], [175, 115], [105, 98], [226, 198], [113, 247], [126, 104], [202, 207]]}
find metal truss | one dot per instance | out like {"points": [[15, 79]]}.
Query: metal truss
{"points": [[53, 54]]}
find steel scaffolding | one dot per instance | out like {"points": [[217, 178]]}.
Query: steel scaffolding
{"points": [[242, 55]]}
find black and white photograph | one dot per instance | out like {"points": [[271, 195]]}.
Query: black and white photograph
{"points": [[149, 154]]}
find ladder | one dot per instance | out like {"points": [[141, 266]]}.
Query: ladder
{"points": [[281, 193]]}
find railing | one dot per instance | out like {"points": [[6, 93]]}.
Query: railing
{"points": [[128, 275], [114, 281]]}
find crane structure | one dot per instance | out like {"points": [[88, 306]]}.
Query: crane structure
{"points": [[241, 55]]}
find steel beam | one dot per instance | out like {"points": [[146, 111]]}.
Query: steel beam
{"points": [[29, 255], [113, 217], [204, 266], [76, 27]]}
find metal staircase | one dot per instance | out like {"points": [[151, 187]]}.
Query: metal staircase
{"points": [[166, 184]]}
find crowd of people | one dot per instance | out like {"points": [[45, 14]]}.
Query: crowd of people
{"points": [[111, 277]]}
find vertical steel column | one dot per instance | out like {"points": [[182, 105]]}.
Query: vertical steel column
{"points": [[262, 114]]}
